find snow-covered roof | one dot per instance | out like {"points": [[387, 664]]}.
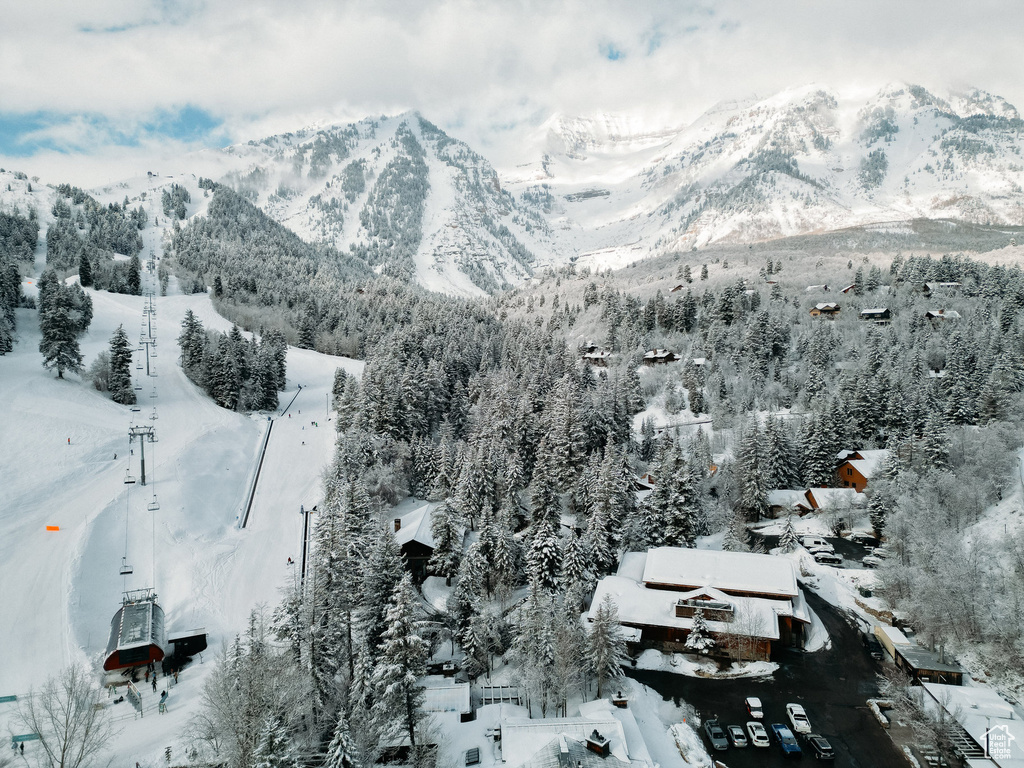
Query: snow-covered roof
{"points": [[564, 750], [826, 305], [786, 498], [942, 314], [440, 694], [874, 310], [636, 745], [523, 737], [639, 606], [894, 634], [981, 710], [727, 571], [632, 565], [415, 526], [870, 462], [837, 498]]}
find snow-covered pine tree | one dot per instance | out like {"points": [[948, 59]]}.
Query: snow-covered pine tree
{"points": [[577, 577], [750, 471], [781, 467], [401, 661], [341, 753], [543, 561], [381, 572], [446, 529], [606, 647], [274, 749], [737, 537], [544, 494], [788, 541], [532, 653], [935, 441], [120, 382], [700, 640]]}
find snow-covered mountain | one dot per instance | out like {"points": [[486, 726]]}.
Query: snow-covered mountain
{"points": [[398, 192], [607, 190], [802, 161]]}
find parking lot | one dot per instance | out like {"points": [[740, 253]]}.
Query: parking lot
{"points": [[832, 685]]}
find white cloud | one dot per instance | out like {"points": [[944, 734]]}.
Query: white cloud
{"points": [[482, 67]]}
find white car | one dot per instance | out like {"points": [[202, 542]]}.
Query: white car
{"points": [[814, 544], [758, 735], [754, 707], [798, 718]]}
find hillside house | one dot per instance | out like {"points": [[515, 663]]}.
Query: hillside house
{"points": [[939, 316], [945, 289], [926, 666], [825, 309], [749, 601], [856, 468], [801, 502], [414, 537], [598, 358], [660, 356], [880, 315], [848, 288]]}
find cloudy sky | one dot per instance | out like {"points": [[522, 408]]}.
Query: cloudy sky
{"points": [[93, 90]]}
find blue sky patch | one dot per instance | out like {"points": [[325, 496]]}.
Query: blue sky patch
{"points": [[24, 134], [610, 52]]}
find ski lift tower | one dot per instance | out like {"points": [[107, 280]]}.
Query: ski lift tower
{"points": [[147, 343], [143, 435]]}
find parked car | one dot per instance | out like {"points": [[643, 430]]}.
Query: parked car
{"points": [[863, 537], [816, 544], [798, 718], [754, 707], [787, 741], [758, 735], [872, 645], [716, 735], [871, 561], [737, 736], [820, 747], [828, 558]]}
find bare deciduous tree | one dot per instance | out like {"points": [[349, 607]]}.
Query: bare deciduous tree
{"points": [[68, 716]]}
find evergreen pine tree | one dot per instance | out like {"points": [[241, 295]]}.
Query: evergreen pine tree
{"points": [[788, 541], [447, 533], [84, 270], [134, 276], [606, 647], [274, 749], [577, 578], [342, 751], [543, 562], [398, 697], [120, 382], [700, 640]]}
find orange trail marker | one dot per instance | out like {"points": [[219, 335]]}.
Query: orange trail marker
{"points": [[53, 527]]}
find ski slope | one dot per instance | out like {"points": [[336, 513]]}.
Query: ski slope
{"points": [[61, 588]]}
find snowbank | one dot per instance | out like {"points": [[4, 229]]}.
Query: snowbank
{"points": [[697, 666]]}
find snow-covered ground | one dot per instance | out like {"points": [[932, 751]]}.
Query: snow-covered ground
{"points": [[61, 588]]}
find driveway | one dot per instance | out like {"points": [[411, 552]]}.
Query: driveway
{"points": [[832, 685]]}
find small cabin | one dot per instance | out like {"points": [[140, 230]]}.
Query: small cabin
{"points": [[925, 666], [659, 357], [825, 309], [939, 316], [880, 315], [597, 357], [137, 634]]}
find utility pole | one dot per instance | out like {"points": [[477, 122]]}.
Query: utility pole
{"points": [[143, 435]]}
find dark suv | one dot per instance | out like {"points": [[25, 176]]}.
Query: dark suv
{"points": [[820, 747]]}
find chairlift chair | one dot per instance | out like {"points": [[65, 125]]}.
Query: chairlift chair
{"points": [[125, 570], [135, 409], [154, 505], [128, 478]]}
